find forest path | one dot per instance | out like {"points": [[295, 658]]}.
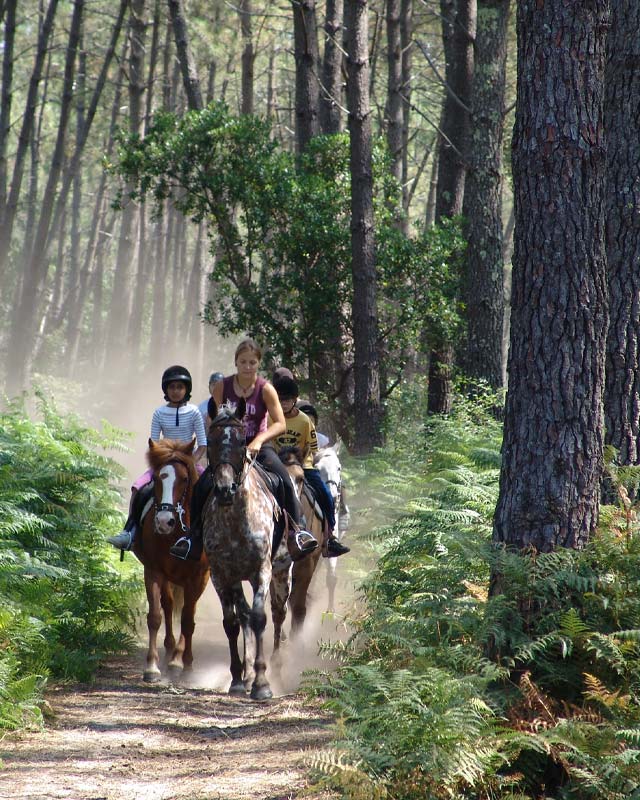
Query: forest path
{"points": [[121, 739]]}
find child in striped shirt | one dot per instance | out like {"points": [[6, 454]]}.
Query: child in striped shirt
{"points": [[178, 419]]}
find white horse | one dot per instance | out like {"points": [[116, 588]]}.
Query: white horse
{"points": [[327, 462]]}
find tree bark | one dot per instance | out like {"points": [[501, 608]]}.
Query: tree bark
{"points": [[23, 325], [406, 41], [622, 387], [394, 117], [188, 69], [7, 221], [305, 31], [458, 33], [553, 434], [331, 94], [245, 11], [119, 315], [7, 94], [368, 409], [483, 285]]}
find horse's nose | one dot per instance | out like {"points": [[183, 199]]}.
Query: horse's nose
{"points": [[171, 522]]}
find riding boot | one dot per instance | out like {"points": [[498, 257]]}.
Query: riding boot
{"points": [[124, 540], [300, 542], [190, 546]]}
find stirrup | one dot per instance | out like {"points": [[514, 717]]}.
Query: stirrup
{"points": [[122, 540], [181, 548], [304, 541]]}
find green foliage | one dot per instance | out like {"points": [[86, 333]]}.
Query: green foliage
{"points": [[449, 691], [63, 604], [280, 229]]}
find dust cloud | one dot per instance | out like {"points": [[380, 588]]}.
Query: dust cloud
{"points": [[120, 396]]}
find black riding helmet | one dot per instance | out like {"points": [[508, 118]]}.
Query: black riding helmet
{"points": [[286, 388], [177, 373], [309, 410], [215, 377]]}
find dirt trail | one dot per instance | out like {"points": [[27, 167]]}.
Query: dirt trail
{"points": [[122, 739]]}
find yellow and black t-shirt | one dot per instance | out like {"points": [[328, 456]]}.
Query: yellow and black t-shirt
{"points": [[300, 432]]}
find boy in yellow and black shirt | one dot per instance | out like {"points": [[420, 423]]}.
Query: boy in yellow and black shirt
{"points": [[300, 432]]}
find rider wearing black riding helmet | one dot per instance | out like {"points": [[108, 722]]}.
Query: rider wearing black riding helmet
{"points": [[300, 432], [178, 419]]}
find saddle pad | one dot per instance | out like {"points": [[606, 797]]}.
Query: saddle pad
{"points": [[311, 497], [270, 479]]}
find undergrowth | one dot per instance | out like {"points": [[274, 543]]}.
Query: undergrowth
{"points": [[63, 604], [446, 692]]}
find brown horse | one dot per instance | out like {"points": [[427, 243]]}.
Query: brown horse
{"points": [[174, 475], [304, 570], [238, 525]]}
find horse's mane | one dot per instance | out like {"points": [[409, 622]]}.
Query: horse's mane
{"points": [[293, 451], [167, 450]]}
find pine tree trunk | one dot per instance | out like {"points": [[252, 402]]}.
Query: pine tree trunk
{"points": [[394, 117], [553, 435], [24, 138], [245, 11], [622, 387], [406, 42], [7, 94], [483, 285], [331, 94], [24, 326], [190, 79], [368, 409], [120, 310], [458, 33], [307, 69]]}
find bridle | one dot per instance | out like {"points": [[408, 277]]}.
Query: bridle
{"points": [[177, 509], [228, 452]]}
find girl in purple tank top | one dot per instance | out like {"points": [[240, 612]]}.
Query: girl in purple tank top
{"points": [[262, 401], [255, 420]]}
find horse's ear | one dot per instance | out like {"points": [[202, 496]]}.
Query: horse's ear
{"points": [[241, 409], [212, 408], [337, 446], [152, 444], [188, 447]]}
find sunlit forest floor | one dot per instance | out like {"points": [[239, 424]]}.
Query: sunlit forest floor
{"points": [[119, 738]]}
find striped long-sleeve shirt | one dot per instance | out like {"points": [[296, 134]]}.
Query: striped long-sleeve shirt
{"points": [[189, 422]]}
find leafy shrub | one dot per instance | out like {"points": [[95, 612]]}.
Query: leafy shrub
{"points": [[63, 604], [450, 691]]}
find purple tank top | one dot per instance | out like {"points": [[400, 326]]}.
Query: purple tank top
{"points": [[255, 420]]}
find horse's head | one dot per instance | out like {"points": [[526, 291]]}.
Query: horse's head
{"points": [[293, 460], [327, 463], [226, 449], [174, 475]]}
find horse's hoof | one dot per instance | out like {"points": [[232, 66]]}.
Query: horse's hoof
{"points": [[238, 689], [152, 676], [261, 692]]}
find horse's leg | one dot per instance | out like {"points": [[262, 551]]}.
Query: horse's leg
{"points": [[153, 585], [260, 690], [166, 601], [332, 582], [279, 590], [183, 654], [231, 625], [302, 575]]}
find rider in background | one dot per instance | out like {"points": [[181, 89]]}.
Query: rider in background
{"points": [[261, 402], [310, 411], [202, 407], [178, 419], [300, 432]]}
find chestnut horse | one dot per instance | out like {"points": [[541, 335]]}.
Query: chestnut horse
{"points": [[174, 475], [238, 527], [303, 570]]}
